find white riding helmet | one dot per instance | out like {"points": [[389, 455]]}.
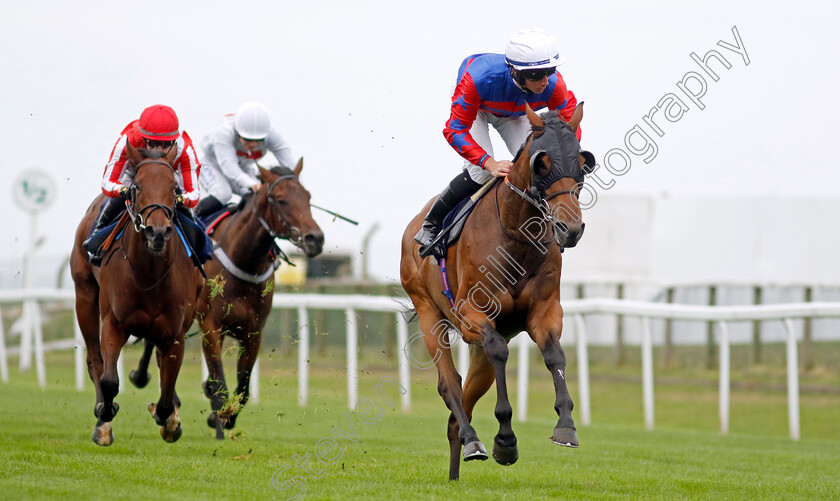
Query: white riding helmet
{"points": [[532, 49], [252, 121]]}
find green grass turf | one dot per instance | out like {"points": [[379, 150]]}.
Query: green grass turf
{"points": [[46, 451]]}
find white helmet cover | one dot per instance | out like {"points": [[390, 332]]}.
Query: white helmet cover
{"points": [[252, 121], [531, 49]]}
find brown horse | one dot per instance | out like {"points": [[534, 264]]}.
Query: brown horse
{"points": [[237, 299], [505, 274], [147, 286]]}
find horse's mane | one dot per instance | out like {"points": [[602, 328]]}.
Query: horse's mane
{"points": [[282, 171]]}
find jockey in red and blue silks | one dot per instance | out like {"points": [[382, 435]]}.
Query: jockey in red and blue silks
{"points": [[485, 85], [493, 89]]}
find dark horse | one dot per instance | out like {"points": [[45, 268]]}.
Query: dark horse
{"points": [[505, 275], [147, 286], [237, 298]]}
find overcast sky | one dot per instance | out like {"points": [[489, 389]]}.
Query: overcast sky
{"points": [[361, 91]]}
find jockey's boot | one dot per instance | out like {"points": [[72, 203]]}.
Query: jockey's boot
{"points": [[113, 208], [458, 189], [208, 205]]}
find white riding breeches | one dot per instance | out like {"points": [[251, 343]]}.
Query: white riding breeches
{"points": [[215, 184], [513, 130]]}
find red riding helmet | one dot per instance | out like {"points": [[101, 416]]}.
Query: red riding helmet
{"points": [[159, 123]]}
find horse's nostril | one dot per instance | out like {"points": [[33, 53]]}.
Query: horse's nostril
{"points": [[314, 238], [149, 232]]}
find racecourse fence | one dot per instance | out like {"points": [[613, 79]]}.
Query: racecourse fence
{"points": [[576, 311]]}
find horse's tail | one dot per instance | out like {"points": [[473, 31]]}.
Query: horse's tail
{"points": [[406, 309]]}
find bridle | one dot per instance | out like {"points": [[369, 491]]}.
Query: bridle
{"points": [[140, 217], [539, 200], [293, 234]]}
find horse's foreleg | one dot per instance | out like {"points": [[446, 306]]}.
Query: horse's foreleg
{"points": [[504, 444], [544, 327], [87, 313], [111, 344], [555, 361], [140, 377], [250, 347], [165, 412], [215, 387]]}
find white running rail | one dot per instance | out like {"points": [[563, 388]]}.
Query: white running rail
{"points": [[574, 310]]}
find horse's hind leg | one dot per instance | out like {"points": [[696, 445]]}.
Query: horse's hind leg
{"points": [[496, 352], [140, 377], [435, 334], [215, 387], [244, 368], [164, 412]]}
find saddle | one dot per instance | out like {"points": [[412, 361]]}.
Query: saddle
{"points": [[192, 234], [210, 221], [453, 224]]}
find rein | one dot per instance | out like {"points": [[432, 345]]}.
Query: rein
{"points": [[294, 234]]}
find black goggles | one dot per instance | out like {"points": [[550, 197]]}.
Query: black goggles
{"points": [[538, 74], [155, 144]]}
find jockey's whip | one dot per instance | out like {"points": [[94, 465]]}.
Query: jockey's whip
{"points": [[335, 214]]}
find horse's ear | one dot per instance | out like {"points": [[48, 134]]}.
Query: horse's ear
{"points": [[134, 156], [299, 167], [170, 157], [577, 116], [264, 173], [535, 119]]}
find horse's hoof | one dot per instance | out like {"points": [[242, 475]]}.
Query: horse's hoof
{"points": [[104, 414], [505, 455], [475, 450], [565, 436], [231, 422], [212, 419], [139, 379], [103, 434], [171, 435]]}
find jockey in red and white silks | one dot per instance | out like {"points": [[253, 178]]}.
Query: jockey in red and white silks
{"points": [[230, 151], [156, 128]]}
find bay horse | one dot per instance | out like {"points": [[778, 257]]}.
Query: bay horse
{"points": [[236, 300], [146, 286], [504, 273]]}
